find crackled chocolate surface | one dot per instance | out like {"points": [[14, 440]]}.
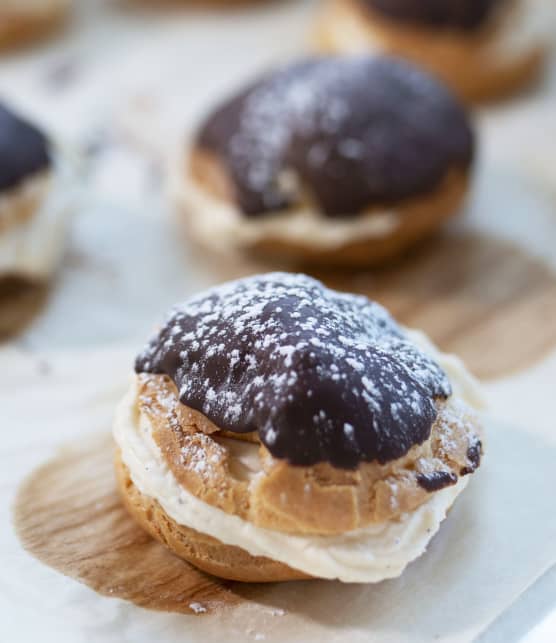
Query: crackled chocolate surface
{"points": [[24, 150], [322, 376], [455, 14], [348, 132]]}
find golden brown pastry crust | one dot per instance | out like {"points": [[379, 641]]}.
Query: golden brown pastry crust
{"points": [[18, 27], [205, 552], [316, 500], [461, 60], [418, 217]]}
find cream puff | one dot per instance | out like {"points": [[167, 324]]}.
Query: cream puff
{"points": [[483, 49], [36, 193], [25, 20], [277, 430], [336, 161]]}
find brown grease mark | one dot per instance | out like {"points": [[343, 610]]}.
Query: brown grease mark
{"points": [[485, 300], [20, 302], [68, 514]]}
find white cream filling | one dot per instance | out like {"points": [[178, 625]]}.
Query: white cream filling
{"points": [[526, 26], [220, 225], [366, 555], [33, 248]]}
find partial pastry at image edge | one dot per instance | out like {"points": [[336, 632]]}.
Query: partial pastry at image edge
{"points": [[327, 161], [502, 54]]}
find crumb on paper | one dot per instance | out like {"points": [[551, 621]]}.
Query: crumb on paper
{"points": [[197, 608]]}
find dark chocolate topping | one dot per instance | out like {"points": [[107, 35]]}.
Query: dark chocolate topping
{"points": [[453, 14], [322, 376], [353, 132], [24, 150], [436, 480]]}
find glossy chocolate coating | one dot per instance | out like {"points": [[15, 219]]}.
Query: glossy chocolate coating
{"points": [[474, 454], [24, 150], [454, 14], [353, 133], [436, 480], [322, 376]]}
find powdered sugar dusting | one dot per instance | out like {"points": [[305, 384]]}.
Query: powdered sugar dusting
{"points": [[321, 375]]}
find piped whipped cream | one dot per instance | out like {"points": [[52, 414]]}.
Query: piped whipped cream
{"points": [[368, 555]]}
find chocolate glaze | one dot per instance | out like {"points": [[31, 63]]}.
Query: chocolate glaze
{"points": [[322, 376], [474, 454], [354, 132], [436, 480], [454, 14], [24, 150]]}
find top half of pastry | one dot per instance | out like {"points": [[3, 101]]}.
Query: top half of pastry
{"points": [[328, 153], [484, 49], [301, 409]]}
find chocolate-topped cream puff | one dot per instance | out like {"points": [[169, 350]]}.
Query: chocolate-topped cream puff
{"points": [[35, 197], [23, 20], [341, 161], [276, 430], [482, 48]]}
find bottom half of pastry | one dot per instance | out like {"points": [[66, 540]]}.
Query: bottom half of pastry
{"points": [[203, 551], [303, 235], [231, 509], [487, 65], [26, 20]]}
